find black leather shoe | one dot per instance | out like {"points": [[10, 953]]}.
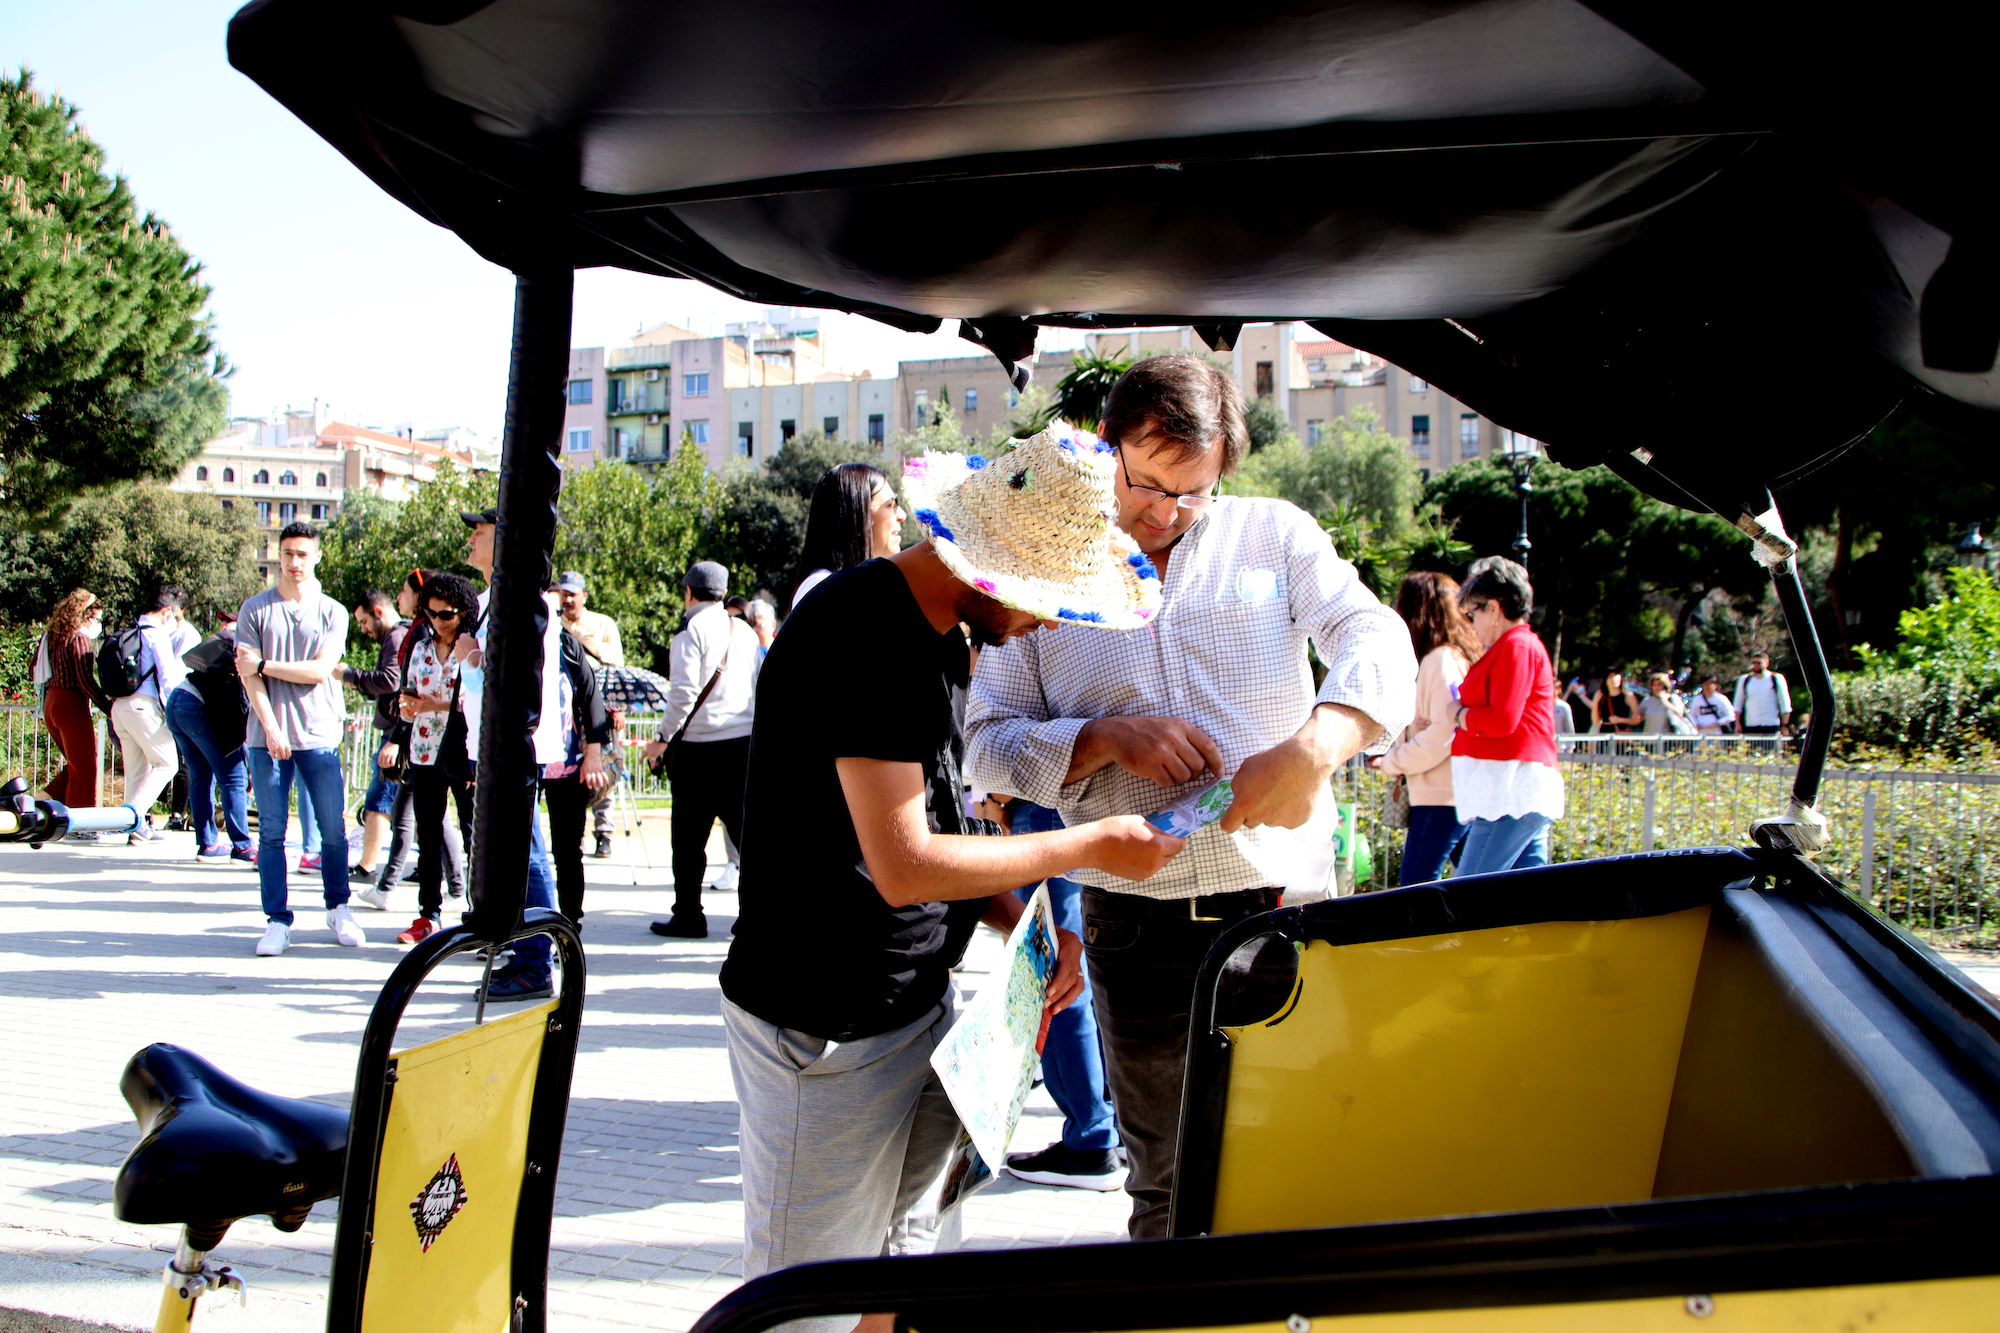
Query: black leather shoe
{"points": [[683, 927], [603, 846]]}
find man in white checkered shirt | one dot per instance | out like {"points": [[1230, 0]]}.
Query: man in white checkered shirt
{"points": [[1093, 723]]}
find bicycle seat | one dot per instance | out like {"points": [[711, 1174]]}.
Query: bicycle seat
{"points": [[215, 1150]]}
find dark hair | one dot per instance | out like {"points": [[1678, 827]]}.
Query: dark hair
{"points": [[837, 528], [1181, 404], [458, 593], [417, 579], [1498, 579], [170, 595], [298, 528], [736, 603], [1710, 680], [1428, 604], [374, 597]]}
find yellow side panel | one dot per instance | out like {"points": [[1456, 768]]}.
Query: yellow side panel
{"points": [[453, 1154], [1487, 1071], [1900, 1307]]}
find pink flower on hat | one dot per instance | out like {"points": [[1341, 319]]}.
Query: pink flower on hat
{"points": [[986, 585]]}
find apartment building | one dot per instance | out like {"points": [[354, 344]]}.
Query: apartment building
{"points": [[303, 465], [979, 389], [1319, 381]]}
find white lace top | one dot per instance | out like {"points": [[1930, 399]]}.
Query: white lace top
{"points": [[1505, 788]]}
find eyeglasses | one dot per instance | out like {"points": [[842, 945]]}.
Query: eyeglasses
{"points": [[1473, 608], [1152, 495]]}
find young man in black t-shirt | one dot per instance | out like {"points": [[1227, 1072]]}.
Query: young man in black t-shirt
{"points": [[860, 886]]}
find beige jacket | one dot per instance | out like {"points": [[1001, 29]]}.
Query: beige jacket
{"points": [[1423, 753]]}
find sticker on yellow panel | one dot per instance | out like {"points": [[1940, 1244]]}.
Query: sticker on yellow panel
{"points": [[454, 1150]]}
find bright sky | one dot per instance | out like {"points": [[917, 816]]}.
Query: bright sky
{"points": [[325, 288]]}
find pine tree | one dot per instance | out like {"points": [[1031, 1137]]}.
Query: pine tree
{"points": [[108, 372]]}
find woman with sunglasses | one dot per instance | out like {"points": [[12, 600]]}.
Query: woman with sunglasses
{"points": [[440, 766], [854, 517], [1504, 777], [77, 619]]}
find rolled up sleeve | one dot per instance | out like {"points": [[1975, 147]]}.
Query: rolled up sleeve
{"points": [[1365, 647], [1012, 745]]}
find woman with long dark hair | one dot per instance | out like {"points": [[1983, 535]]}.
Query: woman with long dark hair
{"points": [[440, 765], [854, 517], [77, 619], [1446, 649]]}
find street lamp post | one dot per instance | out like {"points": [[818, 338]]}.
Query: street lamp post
{"points": [[1521, 458]]}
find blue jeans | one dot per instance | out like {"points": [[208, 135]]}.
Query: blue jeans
{"points": [[1434, 831], [317, 772], [1512, 843], [381, 797], [209, 768], [1072, 1059]]}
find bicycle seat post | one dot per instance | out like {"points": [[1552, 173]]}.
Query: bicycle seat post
{"points": [[188, 1276]]}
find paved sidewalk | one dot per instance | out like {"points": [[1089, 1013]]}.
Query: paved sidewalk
{"points": [[109, 948]]}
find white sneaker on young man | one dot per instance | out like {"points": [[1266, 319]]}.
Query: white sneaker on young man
{"points": [[277, 938], [374, 897], [726, 881], [340, 920]]}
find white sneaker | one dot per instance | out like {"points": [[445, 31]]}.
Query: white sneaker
{"points": [[277, 938], [374, 897], [340, 921], [726, 881]]}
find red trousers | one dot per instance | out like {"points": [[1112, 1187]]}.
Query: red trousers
{"points": [[66, 713]]}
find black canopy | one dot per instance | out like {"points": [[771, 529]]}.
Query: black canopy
{"points": [[1615, 227]]}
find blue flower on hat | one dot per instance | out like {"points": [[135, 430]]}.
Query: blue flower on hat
{"points": [[1064, 613], [929, 518], [1146, 568], [975, 462]]}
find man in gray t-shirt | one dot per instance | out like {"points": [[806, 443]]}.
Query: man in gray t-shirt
{"points": [[288, 640]]}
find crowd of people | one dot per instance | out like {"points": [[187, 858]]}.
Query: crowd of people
{"points": [[1088, 633], [1758, 703]]}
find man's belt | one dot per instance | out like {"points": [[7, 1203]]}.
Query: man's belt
{"points": [[1208, 907]]}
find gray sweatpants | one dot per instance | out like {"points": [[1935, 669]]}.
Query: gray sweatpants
{"points": [[840, 1142]]}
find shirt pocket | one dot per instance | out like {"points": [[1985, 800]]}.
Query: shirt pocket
{"points": [[1243, 650]]}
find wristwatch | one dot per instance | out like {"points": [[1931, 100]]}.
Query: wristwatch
{"points": [[260, 668]]}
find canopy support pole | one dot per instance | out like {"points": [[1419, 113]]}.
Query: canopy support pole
{"points": [[517, 617]]}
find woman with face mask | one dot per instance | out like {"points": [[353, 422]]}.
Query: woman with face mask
{"points": [[77, 620]]}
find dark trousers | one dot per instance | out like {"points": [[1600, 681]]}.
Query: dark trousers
{"points": [[1434, 835], [66, 713], [1143, 954], [707, 785], [569, 801], [431, 787]]}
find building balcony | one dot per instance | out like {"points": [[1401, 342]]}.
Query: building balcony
{"points": [[644, 356]]}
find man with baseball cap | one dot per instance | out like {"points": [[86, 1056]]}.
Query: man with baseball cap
{"points": [[598, 633], [712, 682], [861, 883]]}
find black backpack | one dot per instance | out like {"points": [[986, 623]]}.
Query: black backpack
{"points": [[118, 673]]}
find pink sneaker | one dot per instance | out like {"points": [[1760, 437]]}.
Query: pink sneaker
{"points": [[309, 863]]}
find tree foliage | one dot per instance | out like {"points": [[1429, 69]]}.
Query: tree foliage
{"points": [[759, 525], [1267, 425], [108, 372], [1355, 469], [375, 543], [124, 544], [632, 537]]}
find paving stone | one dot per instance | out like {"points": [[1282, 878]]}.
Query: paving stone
{"points": [[106, 949]]}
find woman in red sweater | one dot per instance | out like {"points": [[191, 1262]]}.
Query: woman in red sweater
{"points": [[1504, 778]]}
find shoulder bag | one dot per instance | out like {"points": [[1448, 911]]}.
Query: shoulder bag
{"points": [[664, 765]]}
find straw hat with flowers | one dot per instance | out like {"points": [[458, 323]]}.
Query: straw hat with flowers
{"points": [[1036, 530]]}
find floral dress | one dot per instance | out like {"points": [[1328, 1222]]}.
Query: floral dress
{"points": [[435, 682]]}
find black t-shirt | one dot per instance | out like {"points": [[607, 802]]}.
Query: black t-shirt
{"points": [[857, 673]]}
